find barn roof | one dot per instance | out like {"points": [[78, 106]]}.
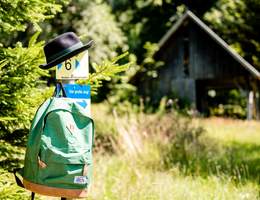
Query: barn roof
{"points": [[213, 35]]}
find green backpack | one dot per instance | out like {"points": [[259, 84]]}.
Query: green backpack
{"points": [[58, 160]]}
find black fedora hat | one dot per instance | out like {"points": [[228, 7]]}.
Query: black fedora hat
{"points": [[62, 48]]}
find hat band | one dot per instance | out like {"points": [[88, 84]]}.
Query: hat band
{"points": [[66, 51]]}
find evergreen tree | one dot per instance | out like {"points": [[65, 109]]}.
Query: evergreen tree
{"points": [[238, 22], [19, 71]]}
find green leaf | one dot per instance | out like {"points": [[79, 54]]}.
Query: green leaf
{"points": [[7, 119], [3, 63], [33, 39]]}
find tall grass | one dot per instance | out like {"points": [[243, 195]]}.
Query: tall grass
{"points": [[120, 177], [132, 178], [185, 143], [166, 142], [162, 156]]}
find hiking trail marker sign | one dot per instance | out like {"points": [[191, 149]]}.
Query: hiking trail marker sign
{"points": [[73, 68], [79, 94]]}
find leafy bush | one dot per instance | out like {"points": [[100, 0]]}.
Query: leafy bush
{"points": [[9, 189], [19, 76], [229, 110], [11, 156], [233, 104], [100, 26], [15, 15], [191, 150], [195, 153]]}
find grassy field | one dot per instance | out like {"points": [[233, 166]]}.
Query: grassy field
{"points": [[227, 168], [229, 130]]}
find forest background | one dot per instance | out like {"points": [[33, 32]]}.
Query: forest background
{"points": [[176, 151]]}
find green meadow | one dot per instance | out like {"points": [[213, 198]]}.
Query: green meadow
{"points": [[162, 156], [152, 61]]}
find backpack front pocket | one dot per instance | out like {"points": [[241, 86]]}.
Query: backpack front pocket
{"points": [[65, 168]]}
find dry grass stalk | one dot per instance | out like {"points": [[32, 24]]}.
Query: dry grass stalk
{"points": [[130, 139]]}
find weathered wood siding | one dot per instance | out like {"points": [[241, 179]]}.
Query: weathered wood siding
{"points": [[207, 60]]}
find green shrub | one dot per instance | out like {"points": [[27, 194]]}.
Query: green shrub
{"points": [[19, 71], [19, 76], [195, 153], [231, 103], [9, 189], [191, 150]]}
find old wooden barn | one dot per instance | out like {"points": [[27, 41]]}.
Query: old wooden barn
{"points": [[197, 60]]}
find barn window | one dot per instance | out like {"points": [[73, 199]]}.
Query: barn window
{"points": [[186, 53]]}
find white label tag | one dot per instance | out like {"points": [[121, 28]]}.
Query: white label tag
{"points": [[80, 179]]}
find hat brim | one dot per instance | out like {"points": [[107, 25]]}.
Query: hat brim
{"points": [[66, 56]]}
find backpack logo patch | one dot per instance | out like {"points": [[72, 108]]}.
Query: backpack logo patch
{"points": [[80, 179]]}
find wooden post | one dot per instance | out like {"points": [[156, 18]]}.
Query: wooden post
{"points": [[65, 74], [256, 98], [257, 104], [253, 100], [250, 105]]}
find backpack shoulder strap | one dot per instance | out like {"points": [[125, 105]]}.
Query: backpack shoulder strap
{"points": [[40, 113], [59, 88], [20, 183], [43, 109]]}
